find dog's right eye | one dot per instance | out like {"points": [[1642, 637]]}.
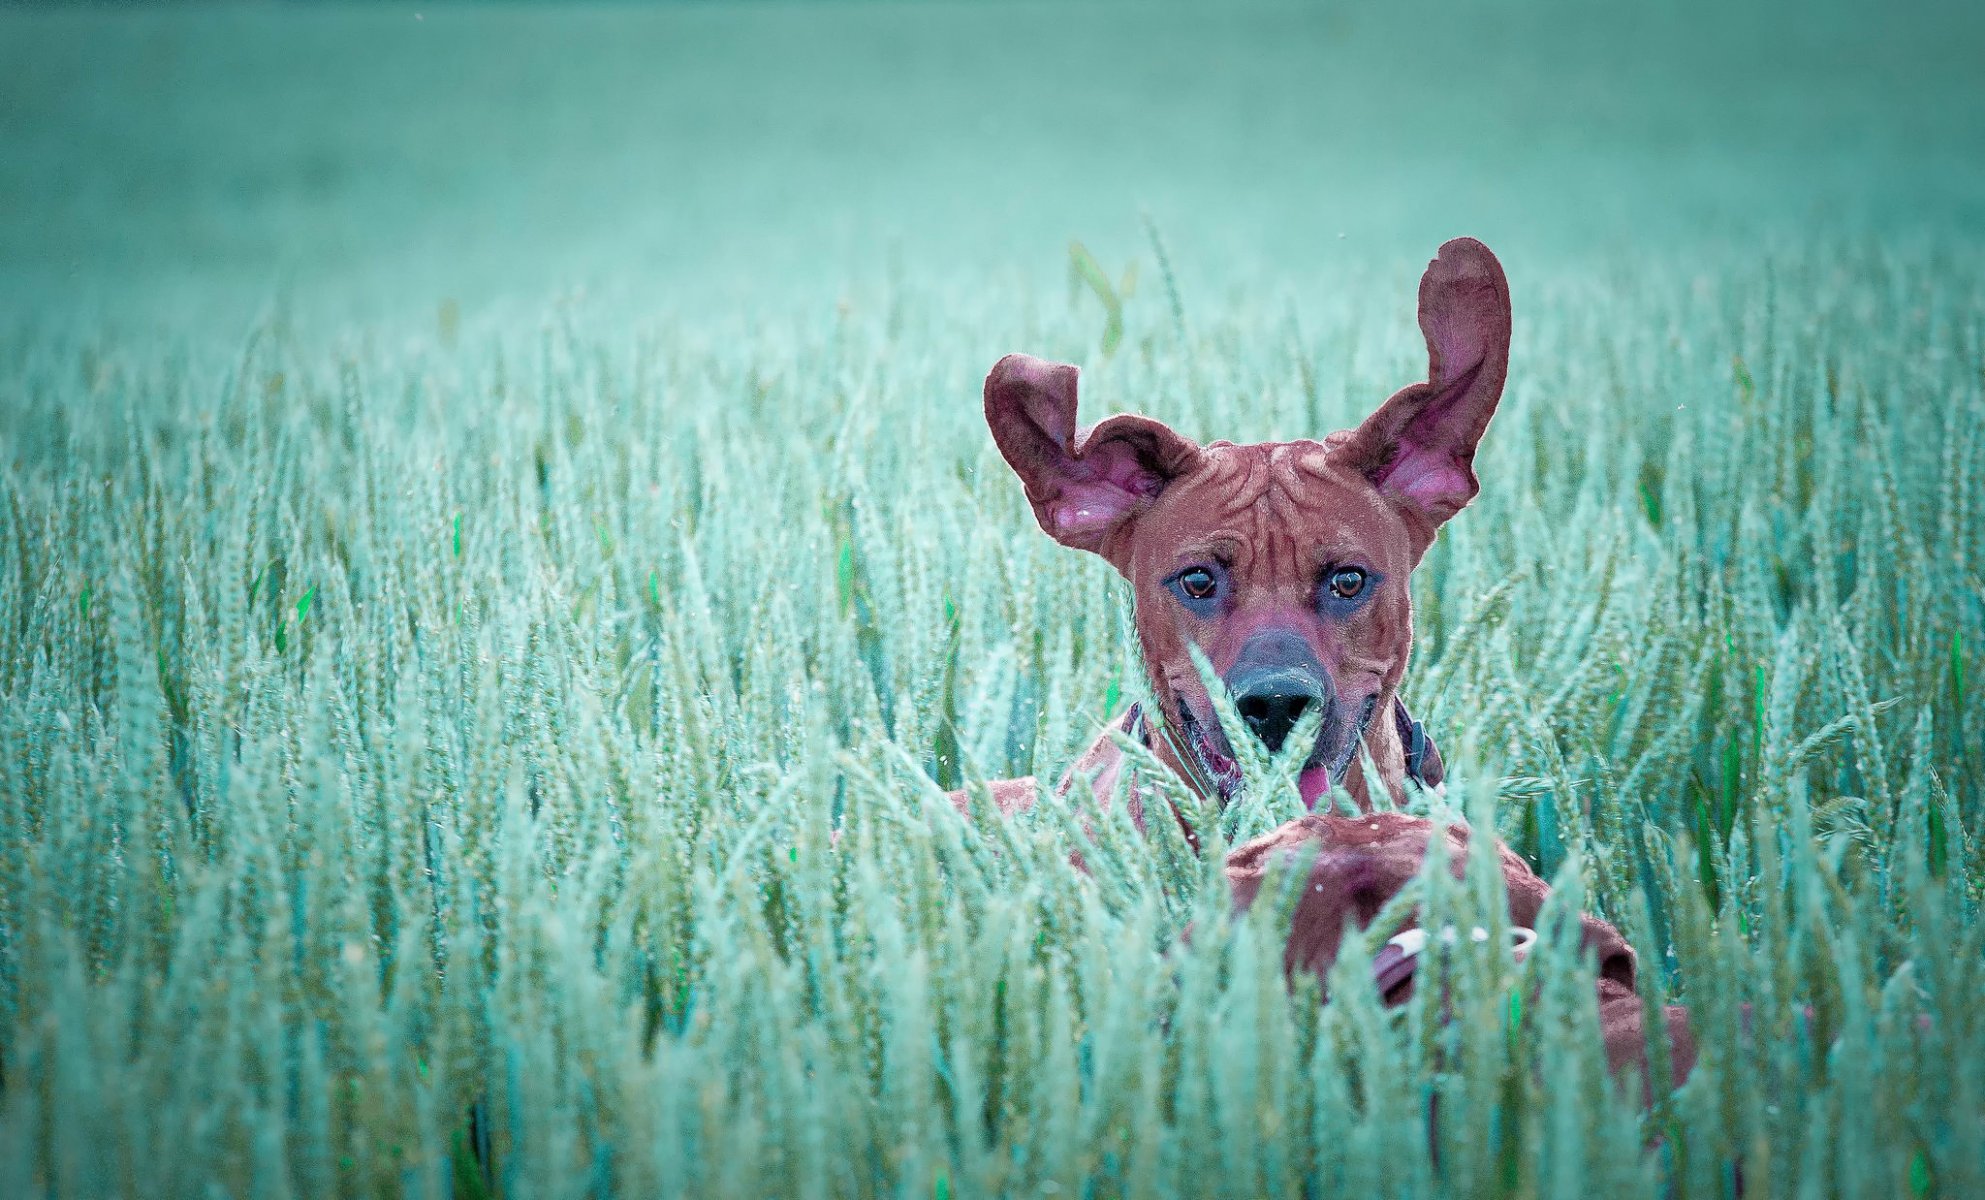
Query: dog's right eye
{"points": [[1199, 583]]}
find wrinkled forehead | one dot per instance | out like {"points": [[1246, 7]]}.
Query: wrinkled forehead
{"points": [[1272, 508]]}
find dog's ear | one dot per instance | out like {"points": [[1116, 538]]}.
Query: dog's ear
{"points": [[1082, 485], [1419, 447]]}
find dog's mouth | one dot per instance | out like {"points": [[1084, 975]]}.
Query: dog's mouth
{"points": [[1329, 758]]}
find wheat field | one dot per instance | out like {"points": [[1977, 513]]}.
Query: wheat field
{"points": [[501, 558]]}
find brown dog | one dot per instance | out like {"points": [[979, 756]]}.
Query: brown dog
{"points": [[1286, 563]]}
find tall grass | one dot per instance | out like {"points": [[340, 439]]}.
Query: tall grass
{"points": [[421, 764]]}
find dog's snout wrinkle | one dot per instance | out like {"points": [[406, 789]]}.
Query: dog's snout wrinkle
{"points": [[1273, 651]]}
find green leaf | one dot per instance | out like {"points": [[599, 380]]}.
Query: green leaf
{"points": [[1085, 269], [1919, 1175]]}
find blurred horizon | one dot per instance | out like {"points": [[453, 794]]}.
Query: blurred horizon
{"points": [[186, 168]]}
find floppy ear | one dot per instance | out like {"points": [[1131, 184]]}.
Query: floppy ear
{"points": [[1419, 447], [1082, 485]]}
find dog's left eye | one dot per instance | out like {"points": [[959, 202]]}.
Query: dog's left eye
{"points": [[1346, 583]]}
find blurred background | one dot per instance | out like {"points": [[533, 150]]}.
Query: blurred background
{"points": [[488, 492], [188, 166]]}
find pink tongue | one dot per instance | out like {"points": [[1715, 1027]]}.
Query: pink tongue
{"points": [[1312, 784]]}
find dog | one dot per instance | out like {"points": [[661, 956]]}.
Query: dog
{"points": [[1286, 564]]}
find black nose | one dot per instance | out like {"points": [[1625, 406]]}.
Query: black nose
{"points": [[1271, 711], [1274, 681]]}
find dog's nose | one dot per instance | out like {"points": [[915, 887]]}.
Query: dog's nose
{"points": [[1274, 681], [1273, 708]]}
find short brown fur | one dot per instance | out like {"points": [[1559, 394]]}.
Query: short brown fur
{"points": [[1267, 527], [1273, 519]]}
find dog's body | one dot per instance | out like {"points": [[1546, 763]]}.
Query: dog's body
{"points": [[1286, 564]]}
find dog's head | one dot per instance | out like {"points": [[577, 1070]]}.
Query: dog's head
{"points": [[1285, 562]]}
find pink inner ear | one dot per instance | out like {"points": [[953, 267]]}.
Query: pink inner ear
{"points": [[1114, 482], [1086, 508], [1428, 477]]}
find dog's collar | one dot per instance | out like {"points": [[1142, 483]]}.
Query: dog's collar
{"points": [[1423, 758]]}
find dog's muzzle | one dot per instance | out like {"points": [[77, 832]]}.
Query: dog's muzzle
{"points": [[1275, 682], [1273, 706]]}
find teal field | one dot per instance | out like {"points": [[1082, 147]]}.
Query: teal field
{"points": [[490, 490]]}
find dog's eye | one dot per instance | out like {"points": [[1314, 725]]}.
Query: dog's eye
{"points": [[1199, 583], [1345, 584]]}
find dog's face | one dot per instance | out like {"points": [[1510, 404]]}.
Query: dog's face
{"points": [[1286, 563]]}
